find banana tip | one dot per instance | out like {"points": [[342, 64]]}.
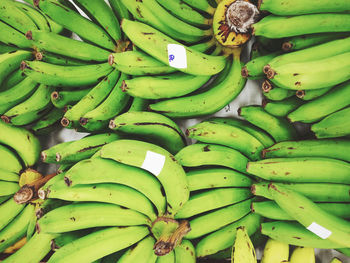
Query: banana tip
{"points": [[266, 68], [83, 121], [5, 119], [124, 86], [43, 156], [23, 65], [36, 2], [287, 46], [23, 195], [58, 157], [65, 122], [54, 95], [29, 35], [245, 72], [266, 86], [300, 93], [112, 124], [111, 59], [271, 73], [42, 194]]}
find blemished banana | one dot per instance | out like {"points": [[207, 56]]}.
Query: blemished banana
{"points": [[282, 108], [152, 127], [213, 221], [73, 21], [170, 51], [74, 151], [331, 148], [211, 154], [303, 254], [106, 192], [269, 209], [287, 8], [99, 244], [91, 100], [10, 61], [22, 141], [243, 249], [280, 129], [212, 199], [225, 237], [141, 252], [301, 170], [114, 104], [90, 171], [162, 87], [12, 37], [227, 135], [11, 162], [273, 26], [258, 133], [334, 125], [208, 178], [137, 63], [307, 95], [49, 122], [57, 44], [157, 161], [275, 251], [63, 98], [31, 109], [85, 215], [34, 250], [275, 93], [185, 252], [316, 220], [102, 14], [221, 92]]}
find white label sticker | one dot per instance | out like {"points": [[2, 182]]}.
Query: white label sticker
{"points": [[153, 162], [319, 230], [177, 56]]}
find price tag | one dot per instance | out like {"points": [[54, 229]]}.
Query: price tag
{"points": [[153, 162], [177, 56], [319, 230]]}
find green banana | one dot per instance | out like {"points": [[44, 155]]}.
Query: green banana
{"points": [[208, 178], [55, 43], [168, 258], [34, 250], [295, 234], [273, 26], [258, 133], [73, 21], [10, 61], [62, 98], [65, 76], [138, 63], [102, 14], [48, 123], [269, 209], [166, 86], [282, 108], [331, 148], [311, 94], [156, 160], [22, 141], [99, 244], [279, 128], [8, 188], [213, 221], [113, 105], [202, 5], [301, 170], [225, 237], [13, 38], [316, 220], [196, 63], [151, 126], [91, 100], [254, 68], [275, 93], [88, 172], [209, 101], [269, 44], [120, 11], [66, 238], [227, 135], [52, 58], [185, 252], [289, 7], [275, 251], [108, 193], [9, 210], [31, 228], [243, 249], [212, 199], [31, 109], [334, 125], [88, 215], [16, 229], [48, 205], [141, 252], [305, 41], [210, 154], [4, 198], [8, 176], [11, 162], [5, 48], [138, 104], [74, 151], [12, 79]]}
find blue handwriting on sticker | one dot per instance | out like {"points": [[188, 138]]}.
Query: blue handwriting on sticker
{"points": [[171, 58]]}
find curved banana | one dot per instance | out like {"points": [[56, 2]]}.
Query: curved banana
{"points": [[304, 254], [120, 11], [9, 210], [48, 123], [311, 94], [8, 188], [254, 68], [156, 160], [142, 252], [63, 98], [275, 251], [227, 135], [9, 176], [210, 154], [282, 108], [212, 199], [185, 252], [138, 104], [99, 244], [11, 162], [331, 148], [243, 249], [85, 215], [151, 126], [225, 237], [279, 128], [275, 93], [168, 258], [336, 260], [13, 38], [201, 5], [89, 172], [13, 79], [208, 178], [22, 141], [196, 62]]}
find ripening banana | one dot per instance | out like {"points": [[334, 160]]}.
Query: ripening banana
{"points": [[303, 254], [275, 251], [243, 249]]}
